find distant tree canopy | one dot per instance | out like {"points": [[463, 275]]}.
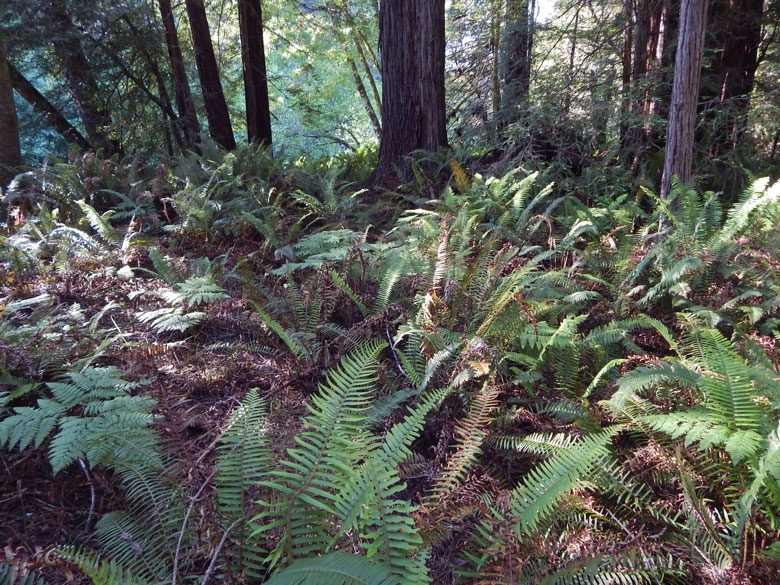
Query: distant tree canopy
{"points": [[591, 85]]}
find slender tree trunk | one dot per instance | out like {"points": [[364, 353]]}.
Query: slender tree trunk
{"points": [[217, 112], [78, 74], [662, 86], [188, 117], [413, 106], [572, 53], [46, 109], [356, 39], [625, 86], [10, 149], [727, 83], [258, 112], [516, 60], [361, 89], [678, 160], [495, 73]]}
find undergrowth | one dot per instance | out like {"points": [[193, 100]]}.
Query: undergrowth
{"points": [[497, 385]]}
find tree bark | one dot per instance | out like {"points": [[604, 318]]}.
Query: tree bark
{"points": [[217, 113], [10, 148], [517, 52], [79, 76], [678, 159], [188, 117], [258, 112], [413, 105], [46, 109]]}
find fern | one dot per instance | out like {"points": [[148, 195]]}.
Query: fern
{"points": [[319, 467], [111, 418], [99, 571], [471, 433], [544, 487], [244, 460], [338, 568], [171, 319], [196, 290]]}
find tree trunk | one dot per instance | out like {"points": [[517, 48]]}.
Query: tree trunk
{"points": [[46, 109], [626, 150], [10, 149], [258, 112], [363, 93], [217, 113], [413, 106], [518, 47], [727, 83], [495, 72], [685, 93], [80, 79], [188, 117]]}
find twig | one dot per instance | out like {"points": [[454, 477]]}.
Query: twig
{"points": [[184, 525], [392, 350], [195, 498], [218, 550], [91, 512]]}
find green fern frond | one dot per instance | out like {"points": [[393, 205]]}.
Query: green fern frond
{"points": [[320, 466], [9, 575], [171, 319], [244, 459], [544, 487], [339, 282], [100, 223], [297, 348], [196, 290], [99, 571], [339, 568]]}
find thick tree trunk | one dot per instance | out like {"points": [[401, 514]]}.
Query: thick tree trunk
{"points": [[217, 113], [78, 74], [46, 109], [258, 112], [413, 106], [685, 93], [516, 61], [188, 117], [10, 149]]}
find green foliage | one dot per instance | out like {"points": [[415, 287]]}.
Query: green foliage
{"points": [[113, 424], [99, 571], [339, 568], [244, 461]]}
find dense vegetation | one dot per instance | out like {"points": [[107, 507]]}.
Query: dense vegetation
{"points": [[523, 358]]}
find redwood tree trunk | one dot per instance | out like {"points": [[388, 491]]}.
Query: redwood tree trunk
{"points": [[46, 109], [258, 112], [188, 117], [213, 97], [78, 74], [685, 93], [518, 47], [10, 149], [413, 107]]}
